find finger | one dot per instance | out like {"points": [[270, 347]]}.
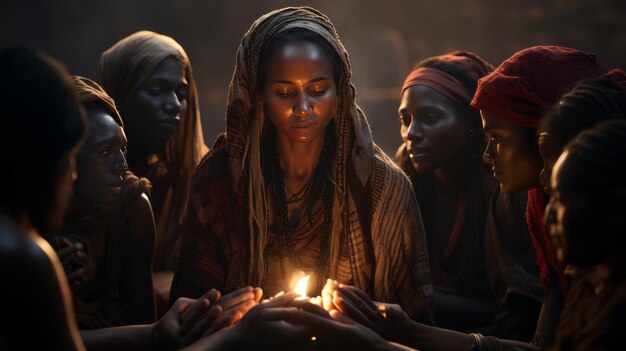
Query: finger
{"points": [[66, 252], [79, 274], [322, 326], [281, 300], [342, 318], [311, 308], [236, 297], [193, 313], [258, 294], [203, 325], [242, 308], [346, 307], [370, 311], [223, 321], [360, 293]]}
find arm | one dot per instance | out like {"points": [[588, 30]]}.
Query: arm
{"points": [[136, 289], [35, 302]]}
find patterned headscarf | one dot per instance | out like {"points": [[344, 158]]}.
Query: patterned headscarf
{"points": [[354, 142]]}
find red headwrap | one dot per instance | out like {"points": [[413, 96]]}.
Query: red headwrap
{"points": [[473, 65], [527, 84]]}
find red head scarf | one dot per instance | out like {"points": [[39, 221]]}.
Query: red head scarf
{"points": [[527, 84]]}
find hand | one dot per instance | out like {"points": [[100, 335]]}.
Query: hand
{"points": [[332, 331], [265, 326], [234, 305], [76, 263], [388, 320], [188, 320]]}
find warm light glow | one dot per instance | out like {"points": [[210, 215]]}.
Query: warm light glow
{"points": [[301, 286]]}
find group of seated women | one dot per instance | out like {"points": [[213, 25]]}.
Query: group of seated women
{"points": [[499, 225]]}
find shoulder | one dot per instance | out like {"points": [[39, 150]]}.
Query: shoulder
{"points": [[140, 219], [30, 258], [387, 174]]}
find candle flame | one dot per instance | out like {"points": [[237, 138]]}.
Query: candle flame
{"points": [[301, 286]]}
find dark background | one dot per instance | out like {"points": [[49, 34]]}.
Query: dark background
{"points": [[384, 38]]}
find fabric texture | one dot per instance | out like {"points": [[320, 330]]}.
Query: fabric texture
{"points": [[122, 69], [528, 83], [216, 252]]}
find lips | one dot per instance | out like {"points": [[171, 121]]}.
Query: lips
{"points": [[303, 125], [417, 151]]}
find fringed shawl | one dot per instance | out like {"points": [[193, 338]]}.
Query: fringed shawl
{"points": [[122, 69], [214, 225]]}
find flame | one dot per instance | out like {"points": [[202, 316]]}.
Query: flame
{"points": [[302, 285]]}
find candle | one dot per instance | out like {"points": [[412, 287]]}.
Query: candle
{"points": [[301, 287]]}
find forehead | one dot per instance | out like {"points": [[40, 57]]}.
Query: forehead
{"points": [[417, 96], [298, 59], [170, 69], [492, 122], [102, 126]]}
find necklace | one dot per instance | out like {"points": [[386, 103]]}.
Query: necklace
{"points": [[312, 188], [298, 195]]}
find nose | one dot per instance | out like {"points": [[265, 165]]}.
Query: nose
{"points": [[302, 108], [489, 156], [120, 167], [172, 104], [415, 132]]}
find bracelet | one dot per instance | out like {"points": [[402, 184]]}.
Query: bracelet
{"points": [[485, 343]]}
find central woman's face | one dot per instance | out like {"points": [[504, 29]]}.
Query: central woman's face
{"points": [[299, 91], [101, 163], [153, 113], [434, 128]]}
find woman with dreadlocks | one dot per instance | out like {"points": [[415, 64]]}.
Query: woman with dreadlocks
{"points": [[296, 183]]}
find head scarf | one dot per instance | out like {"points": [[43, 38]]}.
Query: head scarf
{"points": [[448, 85], [525, 86], [122, 68], [89, 91], [354, 141]]}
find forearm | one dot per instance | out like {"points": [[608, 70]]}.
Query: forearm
{"points": [[437, 339], [133, 337]]}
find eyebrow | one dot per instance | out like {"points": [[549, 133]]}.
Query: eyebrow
{"points": [[315, 80], [165, 81]]}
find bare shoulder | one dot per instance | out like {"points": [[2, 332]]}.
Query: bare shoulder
{"points": [[140, 218]]}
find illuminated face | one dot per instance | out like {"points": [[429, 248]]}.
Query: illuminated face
{"points": [[101, 163], [299, 92], [515, 162], [435, 129], [152, 114]]}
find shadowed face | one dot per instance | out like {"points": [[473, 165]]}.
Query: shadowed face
{"points": [[572, 214], [434, 128], [153, 112], [511, 152], [299, 91], [101, 163]]}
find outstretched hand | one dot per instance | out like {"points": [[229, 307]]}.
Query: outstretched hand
{"points": [[388, 320], [188, 320]]}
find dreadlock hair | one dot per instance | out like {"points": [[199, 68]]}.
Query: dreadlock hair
{"points": [[600, 158], [590, 102], [42, 121], [260, 147]]}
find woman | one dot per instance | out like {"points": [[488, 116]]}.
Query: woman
{"points": [[589, 103], [443, 141], [296, 183], [110, 215], [513, 99], [586, 220], [150, 78]]}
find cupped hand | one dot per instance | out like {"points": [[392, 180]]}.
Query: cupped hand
{"points": [[188, 320]]}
